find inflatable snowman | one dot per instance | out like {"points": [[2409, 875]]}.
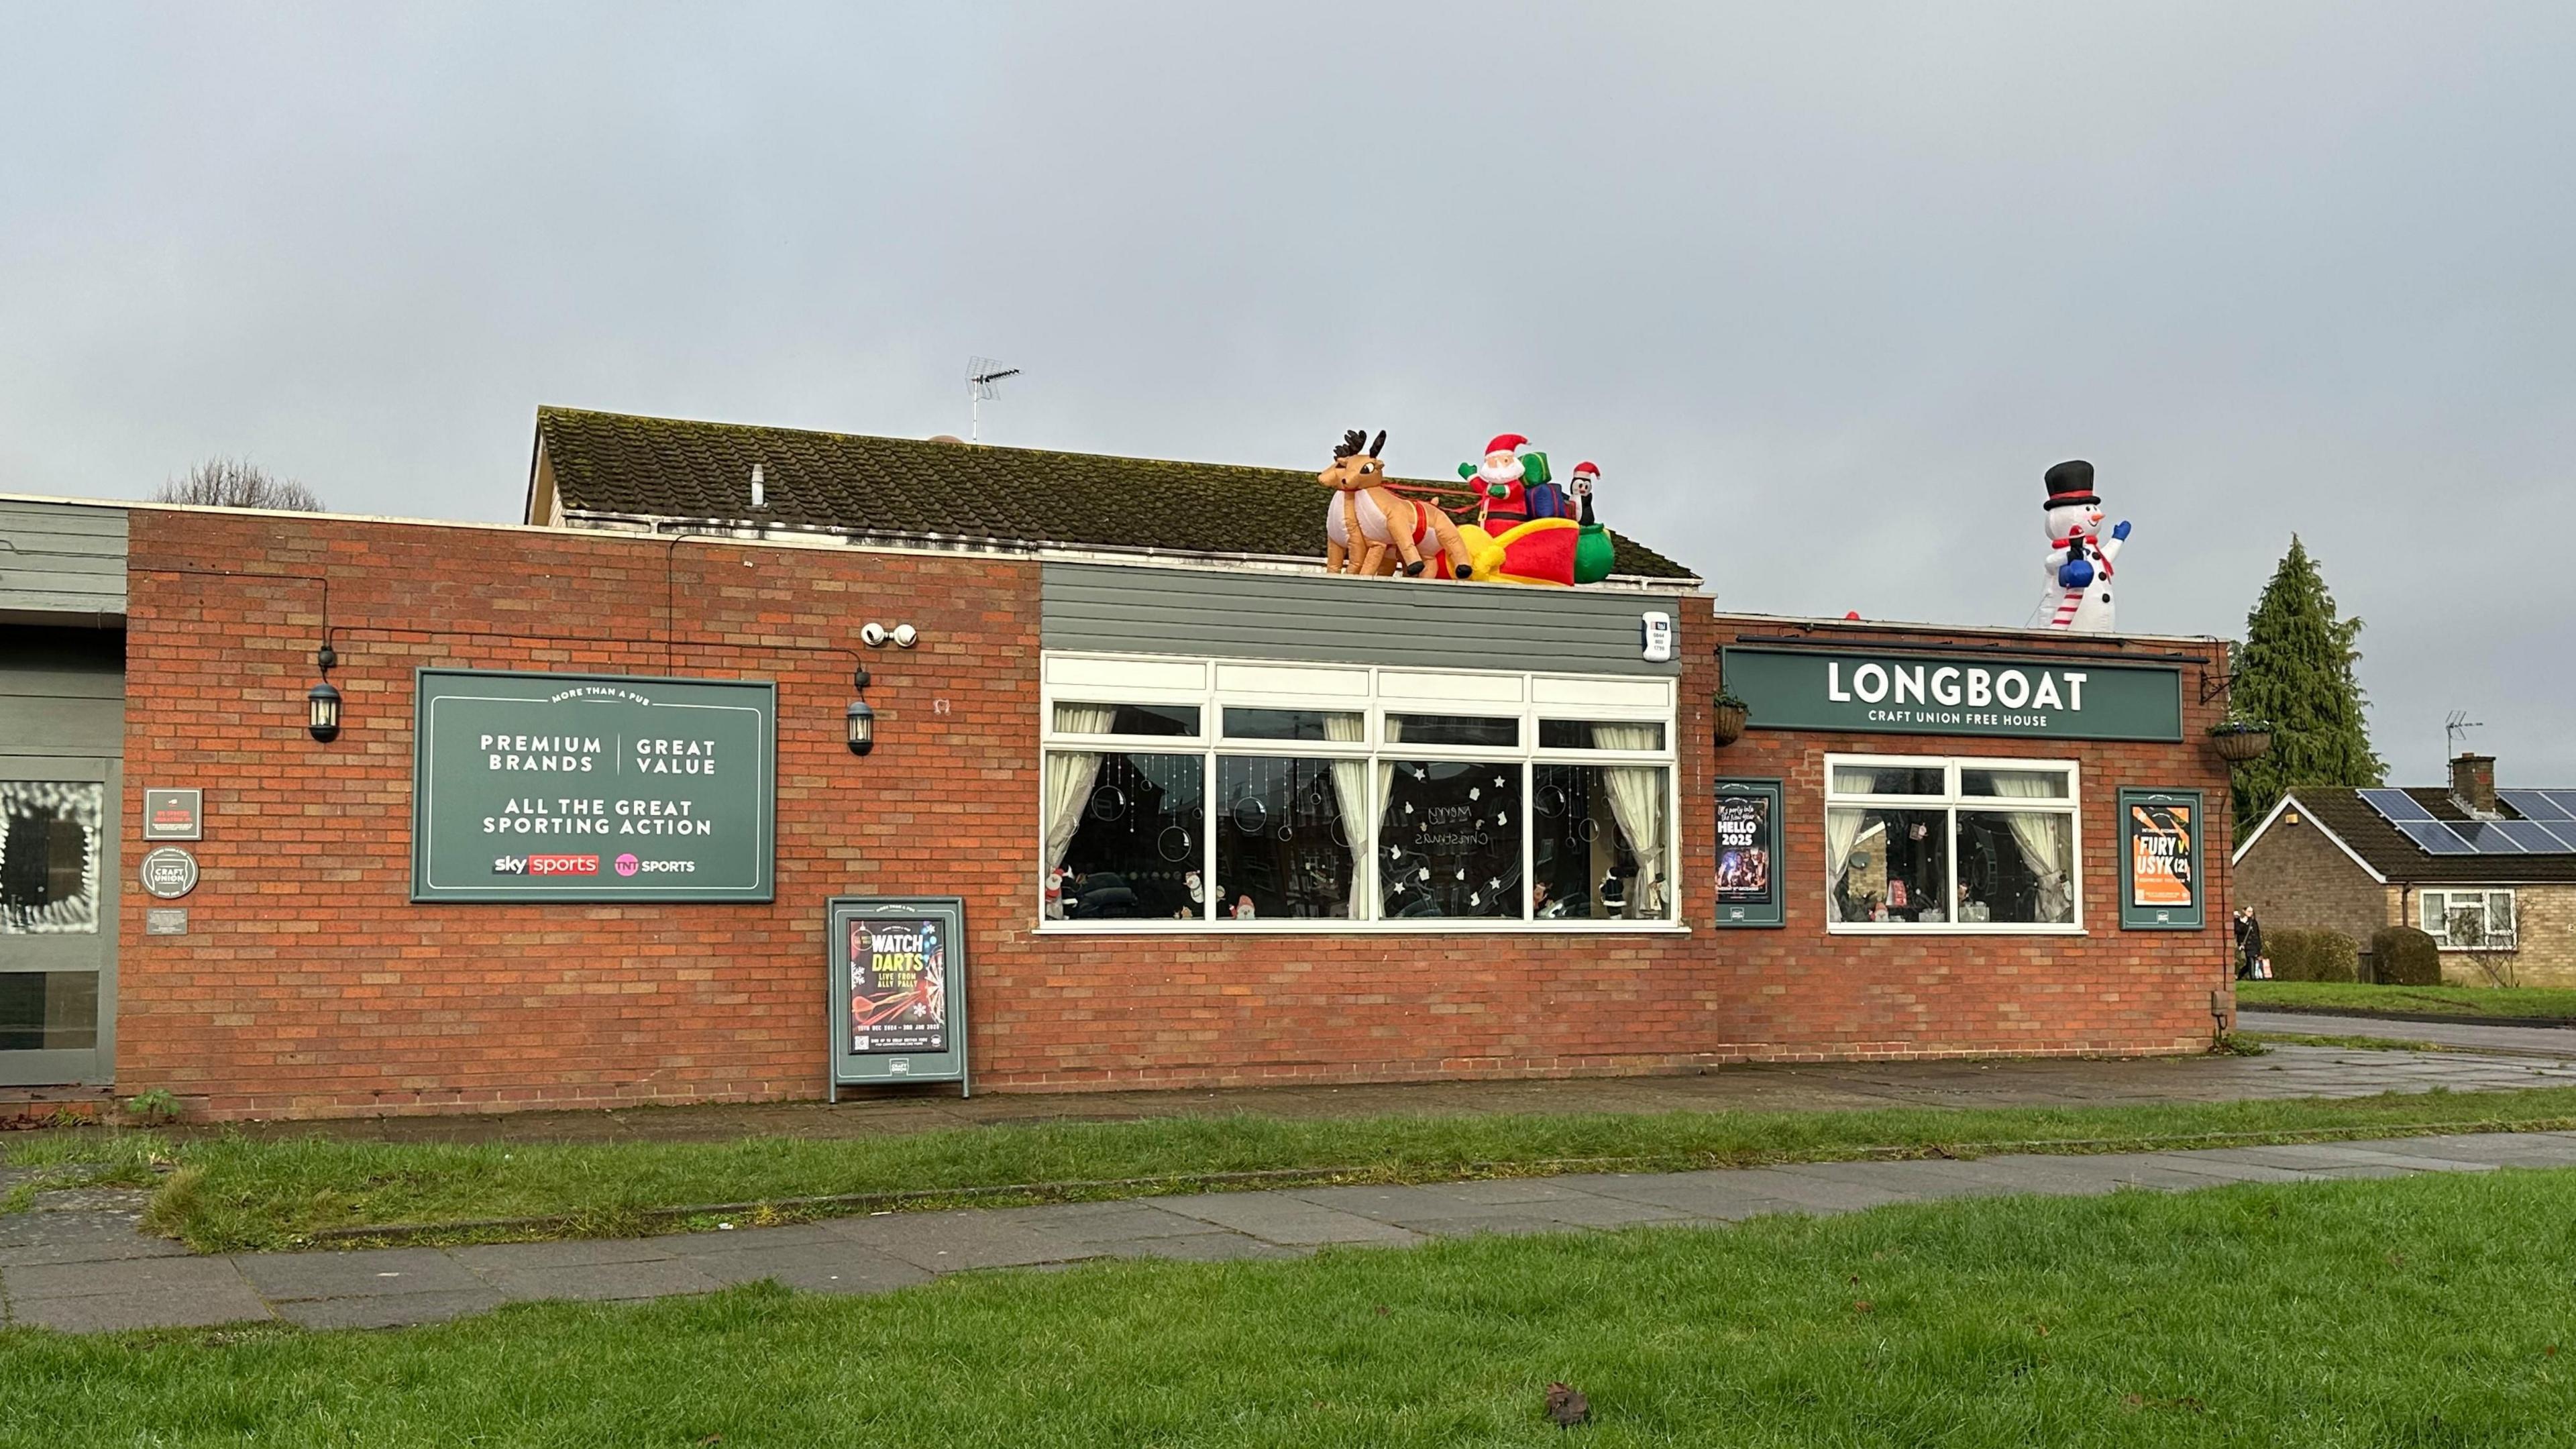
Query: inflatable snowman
{"points": [[2079, 556]]}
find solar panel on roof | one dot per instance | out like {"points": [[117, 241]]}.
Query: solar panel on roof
{"points": [[2535, 805], [2395, 805], [2533, 836], [2564, 800], [2486, 837], [2435, 837]]}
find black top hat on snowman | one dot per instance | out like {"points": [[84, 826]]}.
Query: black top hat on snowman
{"points": [[2070, 485]]}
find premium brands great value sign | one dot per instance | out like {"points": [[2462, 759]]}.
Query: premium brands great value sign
{"points": [[592, 787], [1890, 693]]}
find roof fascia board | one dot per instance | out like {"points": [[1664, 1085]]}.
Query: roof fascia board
{"points": [[2284, 803]]}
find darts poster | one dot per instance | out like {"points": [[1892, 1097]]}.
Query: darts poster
{"points": [[898, 990], [2160, 860], [1748, 853]]}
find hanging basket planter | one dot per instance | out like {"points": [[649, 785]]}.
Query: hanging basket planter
{"points": [[2239, 741], [1726, 719]]}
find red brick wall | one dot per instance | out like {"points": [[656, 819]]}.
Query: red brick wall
{"points": [[309, 984]]}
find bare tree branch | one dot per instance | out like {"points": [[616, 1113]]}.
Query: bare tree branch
{"points": [[237, 483]]}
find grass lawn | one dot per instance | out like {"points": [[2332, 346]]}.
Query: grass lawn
{"points": [[2399, 1312], [232, 1192], [2558, 1003]]}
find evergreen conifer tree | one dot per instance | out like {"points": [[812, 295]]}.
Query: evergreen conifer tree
{"points": [[2295, 670]]}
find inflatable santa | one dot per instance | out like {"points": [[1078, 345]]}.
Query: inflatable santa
{"points": [[1501, 494], [2079, 555]]}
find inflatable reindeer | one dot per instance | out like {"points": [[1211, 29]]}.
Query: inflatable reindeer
{"points": [[1369, 518]]}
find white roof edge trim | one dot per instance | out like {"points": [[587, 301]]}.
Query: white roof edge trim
{"points": [[2286, 800]]}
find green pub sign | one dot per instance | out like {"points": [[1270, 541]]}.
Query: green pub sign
{"points": [[1861, 691], [592, 787]]}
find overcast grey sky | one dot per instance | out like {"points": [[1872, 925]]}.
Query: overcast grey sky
{"points": [[1822, 288]]}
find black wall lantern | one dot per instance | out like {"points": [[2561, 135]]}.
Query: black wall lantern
{"points": [[861, 720], [322, 702]]}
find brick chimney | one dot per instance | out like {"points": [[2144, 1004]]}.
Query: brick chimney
{"points": [[2473, 782]]}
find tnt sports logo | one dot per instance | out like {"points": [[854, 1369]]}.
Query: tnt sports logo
{"points": [[546, 865], [626, 864]]}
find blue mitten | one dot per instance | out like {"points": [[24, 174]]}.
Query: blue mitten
{"points": [[2120, 529], [2076, 573]]}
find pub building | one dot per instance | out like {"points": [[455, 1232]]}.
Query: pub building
{"points": [[761, 763]]}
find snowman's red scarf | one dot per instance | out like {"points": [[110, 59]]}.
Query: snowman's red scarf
{"points": [[2092, 549]]}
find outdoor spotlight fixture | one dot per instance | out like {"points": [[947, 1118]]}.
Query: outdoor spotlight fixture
{"points": [[860, 720], [322, 702]]}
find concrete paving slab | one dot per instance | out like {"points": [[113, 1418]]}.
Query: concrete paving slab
{"points": [[1821, 1193], [950, 1242], [2035, 1174], [835, 1267], [571, 1253], [390, 1310], [2520, 1149], [601, 1282], [29, 1239], [2217, 1167], [2322, 1157], [176, 1277], [1926, 1179], [1717, 1194], [1407, 1204], [119, 1312], [743, 1240], [377, 1272], [1203, 1247], [1276, 1217], [1107, 1222]]}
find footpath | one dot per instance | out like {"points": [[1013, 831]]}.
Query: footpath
{"points": [[89, 1271], [79, 1263]]}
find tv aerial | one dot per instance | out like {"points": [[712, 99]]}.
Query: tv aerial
{"points": [[2455, 731], [983, 379]]}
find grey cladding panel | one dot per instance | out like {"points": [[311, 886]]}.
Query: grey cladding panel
{"points": [[61, 558], [1096, 608], [62, 691]]}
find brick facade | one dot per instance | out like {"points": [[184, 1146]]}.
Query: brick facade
{"points": [[309, 984], [2297, 878]]}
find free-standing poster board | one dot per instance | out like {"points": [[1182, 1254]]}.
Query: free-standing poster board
{"points": [[2160, 861], [897, 966], [1748, 853]]}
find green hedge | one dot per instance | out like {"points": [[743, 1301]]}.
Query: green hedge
{"points": [[2299, 955], [2404, 956]]}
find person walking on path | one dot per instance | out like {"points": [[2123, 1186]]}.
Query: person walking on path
{"points": [[2253, 952], [2244, 963]]}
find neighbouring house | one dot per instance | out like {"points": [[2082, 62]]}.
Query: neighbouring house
{"points": [[2490, 874]]}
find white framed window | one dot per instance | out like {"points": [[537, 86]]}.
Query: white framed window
{"points": [[2469, 920], [1933, 843], [1225, 796]]}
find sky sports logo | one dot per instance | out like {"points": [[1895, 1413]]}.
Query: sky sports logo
{"points": [[546, 865]]}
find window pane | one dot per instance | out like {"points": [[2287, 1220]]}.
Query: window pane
{"points": [[1600, 843], [1449, 840], [1127, 719], [1887, 865], [2500, 915], [2017, 866], [2433, 917], [1584, 734], [2021, 784], [1292, 724], [1453, 729], [1891, 780], [1283, 848], [2465, 923], [49, 845], [1135, 851], [48, 1011]]}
